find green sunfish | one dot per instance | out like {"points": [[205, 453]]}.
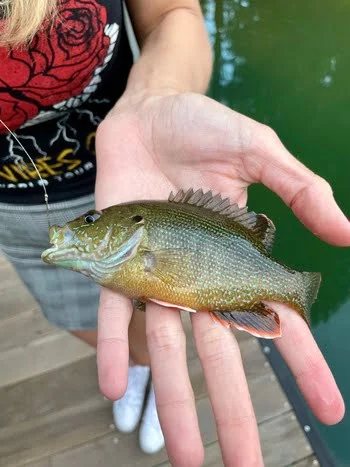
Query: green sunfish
{"points": [[194, 252]]}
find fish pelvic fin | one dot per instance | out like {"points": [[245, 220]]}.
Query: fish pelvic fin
{"points": [[260, 321], [139, 305], [257, 224]]}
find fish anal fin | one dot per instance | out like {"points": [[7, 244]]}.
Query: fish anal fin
{"points": [[260, 321], [217, 319], [258, 224]]}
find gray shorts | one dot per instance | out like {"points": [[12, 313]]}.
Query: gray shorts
{"points": [[67, 299]]}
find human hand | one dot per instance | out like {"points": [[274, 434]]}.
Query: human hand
{"points": [[147, 146]]}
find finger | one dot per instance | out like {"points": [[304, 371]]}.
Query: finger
{"points": [[229, 395], [112, 343], [308, 195], [174, 394], [312, 374]]}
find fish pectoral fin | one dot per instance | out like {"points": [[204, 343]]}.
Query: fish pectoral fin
{"points": [[260, 321], [265, 230], [168, 265]]}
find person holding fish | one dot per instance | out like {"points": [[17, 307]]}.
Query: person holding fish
{"points": [[66, 69]]}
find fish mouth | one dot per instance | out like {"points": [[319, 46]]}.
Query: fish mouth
{"points": [[56, 254], [60, 239], [73, 259], [65, 247]]}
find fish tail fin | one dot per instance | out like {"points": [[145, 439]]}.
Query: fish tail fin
{"points": [[311, 281]]}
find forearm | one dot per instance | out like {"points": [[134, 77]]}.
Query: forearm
{"points": [[175, 54]]}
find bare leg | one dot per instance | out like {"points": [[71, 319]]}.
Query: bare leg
{"points": [[88, 336], [137, 339]]}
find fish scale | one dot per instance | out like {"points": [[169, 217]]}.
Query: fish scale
{"points": [[194, 251], [220, 266]]}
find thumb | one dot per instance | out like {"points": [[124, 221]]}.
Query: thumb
{"points": [[309, 196]]}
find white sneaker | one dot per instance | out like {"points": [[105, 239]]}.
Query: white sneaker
{"points": [[150, 436], [127, 410]]}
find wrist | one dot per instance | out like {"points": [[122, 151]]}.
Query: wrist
{"points": [[136, 94], [136, 98], [151, 78]]}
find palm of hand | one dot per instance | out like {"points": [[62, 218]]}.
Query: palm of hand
{"points": [[163, 147], [166, 143]]}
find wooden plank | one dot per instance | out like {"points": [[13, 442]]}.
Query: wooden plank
{"points": [[61, 388], [268, 398], [41, 355], [254, 361], [22, 329], [191, 351], [3, 260], [310, 461], [72, 431], [7, 275], [283, 441], [15, 299], [212, 456], [122, 450], [49, 392], [14, 296], [41, 463], [109, 451], [58, 390], [283, 444], [103, 451], [30, 407], [241, 336], [197, 380], [35, 439]]}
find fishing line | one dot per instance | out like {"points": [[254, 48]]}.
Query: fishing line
{"points": [[46, 196]]}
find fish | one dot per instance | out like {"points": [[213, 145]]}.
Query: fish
{"points": [[195, 252]]}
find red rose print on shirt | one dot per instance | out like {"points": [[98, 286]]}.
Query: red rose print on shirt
{"points": [[59, 63]]}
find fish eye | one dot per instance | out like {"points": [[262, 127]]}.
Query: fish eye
{"points": [[137, 219], [91, 217]]}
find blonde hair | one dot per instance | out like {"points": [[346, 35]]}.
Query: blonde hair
{"points": [[22, 19]]}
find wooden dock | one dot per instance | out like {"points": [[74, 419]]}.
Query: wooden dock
{"points": [[52, 413]]}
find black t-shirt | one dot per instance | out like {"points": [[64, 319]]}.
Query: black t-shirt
{"points": [[54, 94]]}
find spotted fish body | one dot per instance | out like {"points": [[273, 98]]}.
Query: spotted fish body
{"points": [[195, 252]]}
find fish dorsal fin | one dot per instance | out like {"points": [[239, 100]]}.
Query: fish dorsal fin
{"points": [[258, 224]]}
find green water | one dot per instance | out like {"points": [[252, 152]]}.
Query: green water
{"points": [[287, 64]]}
